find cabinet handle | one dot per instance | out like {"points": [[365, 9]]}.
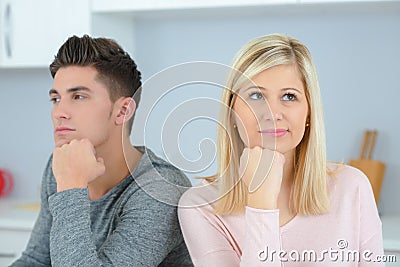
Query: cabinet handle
{"points": [[7, 255], [8, 30]]}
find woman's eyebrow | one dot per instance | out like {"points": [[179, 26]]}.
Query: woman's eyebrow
{"points": [[263, 88], [254, 87], [291, 88]]}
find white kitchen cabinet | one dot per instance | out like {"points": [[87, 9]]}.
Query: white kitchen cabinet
{"points": [[350, 5], [391, 239], [344, 1], [17, 218], [13, 242], [32, 31], [139, 7], [158, 5]]}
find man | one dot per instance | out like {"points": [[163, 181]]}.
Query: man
{"points": [[104, 202]]}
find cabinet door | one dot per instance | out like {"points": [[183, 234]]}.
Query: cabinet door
{"points": [[32, 31], [5, 260], [12, 243]]}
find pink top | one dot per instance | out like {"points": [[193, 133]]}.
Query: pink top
{"points": [[352, 230]]}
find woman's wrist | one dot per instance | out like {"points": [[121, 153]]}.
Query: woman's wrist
{"points": [[259, 200]]}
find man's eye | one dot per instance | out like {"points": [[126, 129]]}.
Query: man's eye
{"points": [[54, 99], [289, 97], [256, 96], [78, 97]]}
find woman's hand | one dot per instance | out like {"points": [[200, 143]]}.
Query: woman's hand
{"points": [[261, 170]]}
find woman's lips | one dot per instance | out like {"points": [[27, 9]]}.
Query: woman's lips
{"points": [[274, 132]]}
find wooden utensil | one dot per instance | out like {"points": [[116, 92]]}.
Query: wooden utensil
{"points": [[373, 169]]}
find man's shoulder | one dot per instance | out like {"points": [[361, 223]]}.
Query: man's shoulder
{"points": [[153, 165], [204, 194], [159, 178]]}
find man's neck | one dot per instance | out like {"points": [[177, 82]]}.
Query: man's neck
{"points": [[120, 160]]}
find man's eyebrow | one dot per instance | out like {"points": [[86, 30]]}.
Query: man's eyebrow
{"points": [[53, 91], [71, 90]]}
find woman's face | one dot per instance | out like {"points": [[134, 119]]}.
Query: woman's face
{"points": [[272, 112]]}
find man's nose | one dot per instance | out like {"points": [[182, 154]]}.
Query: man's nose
{"points": [[61, 110]]}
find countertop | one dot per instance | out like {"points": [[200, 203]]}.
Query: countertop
{"points": [[18, 214], [21, 215], [391, 232]]}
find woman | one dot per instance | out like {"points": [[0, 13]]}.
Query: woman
{"points": [[275, 200]]}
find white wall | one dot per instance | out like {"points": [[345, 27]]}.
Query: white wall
{"points": [[356, 54], [26, 131]]}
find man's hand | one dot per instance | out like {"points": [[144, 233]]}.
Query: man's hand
{"points": [[261, 170], [75, 165]]}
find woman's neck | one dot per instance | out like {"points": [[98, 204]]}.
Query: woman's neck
{"points": [[288, 170]]}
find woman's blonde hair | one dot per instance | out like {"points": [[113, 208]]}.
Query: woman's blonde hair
{"points": [[309, 192]]}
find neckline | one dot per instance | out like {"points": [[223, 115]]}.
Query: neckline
{"points": [[289, 223]]}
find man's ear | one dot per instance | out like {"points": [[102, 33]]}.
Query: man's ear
{"points": [[126, 108]]}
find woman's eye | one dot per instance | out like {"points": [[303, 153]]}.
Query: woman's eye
{"points": [[289, 97], [256, 96]]}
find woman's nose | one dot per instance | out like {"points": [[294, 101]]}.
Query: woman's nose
{"points": [[272, 112]]}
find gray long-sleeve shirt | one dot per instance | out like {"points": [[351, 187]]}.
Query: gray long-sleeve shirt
{"points": [[134, 224]]}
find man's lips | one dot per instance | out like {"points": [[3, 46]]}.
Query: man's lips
{"points": [[275, 132], [63, 130]]}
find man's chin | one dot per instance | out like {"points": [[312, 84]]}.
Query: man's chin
{"points": [[61, 142]]}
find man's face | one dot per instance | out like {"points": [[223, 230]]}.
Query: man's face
{"points": [[81, 106]]}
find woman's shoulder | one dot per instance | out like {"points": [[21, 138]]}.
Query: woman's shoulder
{"points": [[201, 195], [350, 189], [347, 177]]}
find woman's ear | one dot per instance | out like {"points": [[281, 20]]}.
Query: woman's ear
{"points": [[233, 119], [126, 108]]}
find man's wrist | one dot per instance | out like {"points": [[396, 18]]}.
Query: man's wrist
{"points": [[62, 187]]}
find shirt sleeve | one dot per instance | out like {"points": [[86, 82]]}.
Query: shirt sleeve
{"points": [[36, 253], [132, 240], [263, 240], [371, 243], [208, 244]]}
